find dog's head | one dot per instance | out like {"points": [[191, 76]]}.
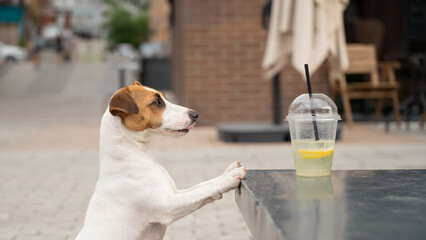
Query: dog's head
{"points": [[145, 109]]}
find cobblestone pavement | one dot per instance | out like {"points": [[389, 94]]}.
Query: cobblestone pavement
{"points": [[49, 155]]}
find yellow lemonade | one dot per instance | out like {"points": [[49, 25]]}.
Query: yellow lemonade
{"points": [[313, 158]]}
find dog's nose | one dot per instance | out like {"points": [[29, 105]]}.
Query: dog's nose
{"points": [[193, 115]]}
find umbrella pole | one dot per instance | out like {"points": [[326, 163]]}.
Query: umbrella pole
{"points": [[276, 99]]}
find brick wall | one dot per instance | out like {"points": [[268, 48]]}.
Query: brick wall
{"points": [[217, 54]]}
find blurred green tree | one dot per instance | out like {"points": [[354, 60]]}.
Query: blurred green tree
{"points": [[126, 23]]}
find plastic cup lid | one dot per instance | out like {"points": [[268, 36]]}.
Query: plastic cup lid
{"points": [[324, 107]]}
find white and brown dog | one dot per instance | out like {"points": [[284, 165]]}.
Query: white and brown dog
{"points": [[135, 198]]}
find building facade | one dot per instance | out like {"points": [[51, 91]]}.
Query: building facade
{"points": [[218, 49], [12, 22]]}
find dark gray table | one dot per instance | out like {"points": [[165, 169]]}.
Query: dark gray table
{"points": [[382, 204]]}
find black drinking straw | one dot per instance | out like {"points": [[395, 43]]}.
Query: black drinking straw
{"points": [[314, 119]]}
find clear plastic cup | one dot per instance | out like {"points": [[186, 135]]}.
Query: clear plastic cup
{"points": [[313, 136]]}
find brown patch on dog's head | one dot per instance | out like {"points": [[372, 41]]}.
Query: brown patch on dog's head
{"points": [[138, 107]]}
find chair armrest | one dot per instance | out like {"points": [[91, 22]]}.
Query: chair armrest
{"points": [[389, 64], [387, 71]]}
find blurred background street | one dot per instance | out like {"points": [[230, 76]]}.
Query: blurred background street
{"points": [[203, 55]]}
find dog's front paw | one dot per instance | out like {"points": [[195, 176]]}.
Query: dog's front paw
{"points": [[232, 179]]}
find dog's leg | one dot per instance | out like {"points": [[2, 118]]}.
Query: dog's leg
{"points": [[232, 166], [179, 205]]}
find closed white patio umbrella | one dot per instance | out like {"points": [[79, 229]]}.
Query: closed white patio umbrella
{"points": [[305, 31]]}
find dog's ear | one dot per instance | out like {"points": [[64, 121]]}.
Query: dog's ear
{"points": [[136, 83], [122, 103]]}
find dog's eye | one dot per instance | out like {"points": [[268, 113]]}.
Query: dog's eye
{"points": [[157, 102]]}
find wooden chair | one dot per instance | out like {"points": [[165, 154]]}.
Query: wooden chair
{"points": [[362, 60]]}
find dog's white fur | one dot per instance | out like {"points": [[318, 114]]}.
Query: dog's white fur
{"points": [[135, 198]]}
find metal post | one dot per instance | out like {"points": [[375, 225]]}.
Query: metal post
{"points": [[276, 98], [122, 77]]}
